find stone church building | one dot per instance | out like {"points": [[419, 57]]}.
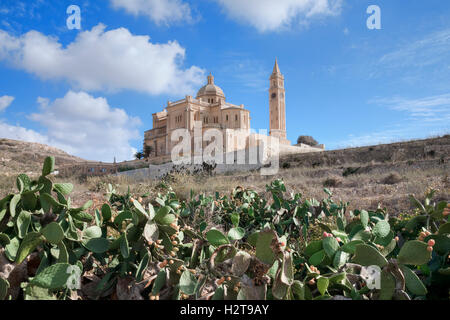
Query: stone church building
{"points": [[212, 109]]}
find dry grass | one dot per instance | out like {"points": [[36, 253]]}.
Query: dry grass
{"points": [[381, 187], [7, 185], [27, 157], [368, 190], [392, 178], [381, 175], [333, 182]]}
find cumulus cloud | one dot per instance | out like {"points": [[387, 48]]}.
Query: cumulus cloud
{"points": [[88, 127], [82, 125], [5, 102], [20, 133], [104, 60], [161, 12], [270, 15]]}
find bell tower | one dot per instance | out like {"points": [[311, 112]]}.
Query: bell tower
{"points": [[277, 105]]}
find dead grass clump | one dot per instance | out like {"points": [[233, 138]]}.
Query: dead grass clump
{"points": [[333, 182], [392, 178]]}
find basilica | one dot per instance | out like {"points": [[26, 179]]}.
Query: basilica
{"points": [[211, 109]]}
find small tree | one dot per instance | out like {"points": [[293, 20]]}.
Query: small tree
{"points": [[139, 155], [310, 141], [148, 150]]}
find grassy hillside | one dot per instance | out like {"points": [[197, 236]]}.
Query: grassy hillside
{"points": [[383, 175], [366, 177], [26, 157], [19, 156]]}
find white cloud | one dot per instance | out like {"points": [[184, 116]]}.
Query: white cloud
{"points": [[104, 60], [370, 139], [242, 70], [425, 117], [390, 135], [270, 15], [413, 60], [19, 133], [81, 125], [88, 127], [431, 49], [428, 109], [5, 102], [159, 11]]}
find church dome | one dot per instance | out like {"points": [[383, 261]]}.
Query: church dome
{"points": [[210, 89]]}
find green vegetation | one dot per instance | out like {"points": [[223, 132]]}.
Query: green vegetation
{"points": [[310, 141], [163, 248]]}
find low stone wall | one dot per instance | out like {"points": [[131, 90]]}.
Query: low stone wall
{"points": [[238, 161], [159, 171], [299, 148]]}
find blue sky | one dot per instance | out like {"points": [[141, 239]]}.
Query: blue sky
{"points": [[92, 91]]}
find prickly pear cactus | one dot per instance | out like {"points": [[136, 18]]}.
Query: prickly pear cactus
{"points": [[161, 247]]}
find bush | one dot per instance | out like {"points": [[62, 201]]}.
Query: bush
{"points": [[349, 171], [332, 182], [392, 178], [286, 165], [310, 141]]}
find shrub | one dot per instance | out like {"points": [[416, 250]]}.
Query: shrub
{"points": [[349, 171], [310, 141], [286, 165], [332, 182], [392, 178]]}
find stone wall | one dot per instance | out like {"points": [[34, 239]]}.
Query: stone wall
{"points": [[238, 161]]}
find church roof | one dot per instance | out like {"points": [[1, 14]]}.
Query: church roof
{"points": [[210, 89]]}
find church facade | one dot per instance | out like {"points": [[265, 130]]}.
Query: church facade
{"points": [[211, 109]]}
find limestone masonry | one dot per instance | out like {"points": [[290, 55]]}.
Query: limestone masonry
{"points": [[214, 112], [211, 109]]}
